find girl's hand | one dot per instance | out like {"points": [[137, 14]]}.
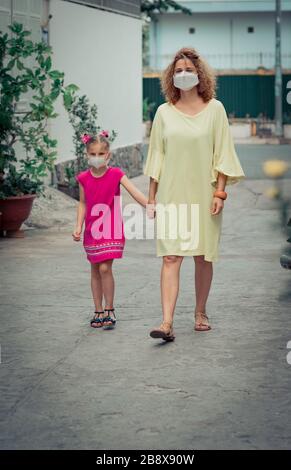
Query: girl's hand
{"points": [[77, 234], [151, 209], [217, 205]]}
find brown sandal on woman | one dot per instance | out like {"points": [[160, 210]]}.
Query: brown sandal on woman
{"points": [[201, 322], [165, 331]]}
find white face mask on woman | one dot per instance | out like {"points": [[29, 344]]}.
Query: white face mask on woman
{"points": [[185, 80], [97, 162]]}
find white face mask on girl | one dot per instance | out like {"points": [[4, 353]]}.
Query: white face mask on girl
{"points": [[97, 162], [185, 80]]}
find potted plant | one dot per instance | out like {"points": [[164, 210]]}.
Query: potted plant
{"points": [[287, 125], [148, 108], [277, 169], [285, 258], [83, 118], [27, 96]]}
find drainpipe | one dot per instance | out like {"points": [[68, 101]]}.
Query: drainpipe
{"points": [[45, 19], [278, 74], [155, 27], [231, 43]]}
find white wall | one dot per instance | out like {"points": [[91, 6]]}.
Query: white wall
{"points": [[101, 53]]}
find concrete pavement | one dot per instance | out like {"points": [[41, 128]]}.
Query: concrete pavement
{"points": [[67, 386]]}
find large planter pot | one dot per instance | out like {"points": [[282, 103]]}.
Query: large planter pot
{"points": [[69, 190], [14, 211], [287, 131], [241, 130]]}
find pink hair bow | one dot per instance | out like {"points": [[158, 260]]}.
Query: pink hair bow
{"points": [[104, 134], [85, 138]]}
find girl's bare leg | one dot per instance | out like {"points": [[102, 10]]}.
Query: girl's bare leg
{"points": [[96, 287], [108, 285], [203, 279], [170, 276]]}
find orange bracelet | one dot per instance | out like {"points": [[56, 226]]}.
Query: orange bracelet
{"points": [[221, 194]]}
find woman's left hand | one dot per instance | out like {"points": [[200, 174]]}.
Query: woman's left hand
{"points": [[217, 205], [151, 209]]}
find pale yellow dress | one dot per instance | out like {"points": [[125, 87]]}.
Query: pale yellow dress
{"points": [[184, 156]]}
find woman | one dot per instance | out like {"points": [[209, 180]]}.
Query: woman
{"points": [[191, 158]]}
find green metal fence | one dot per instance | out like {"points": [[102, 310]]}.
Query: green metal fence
{"points": [[241, 95]]}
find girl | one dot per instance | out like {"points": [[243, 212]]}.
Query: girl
{"points": [[100, 193]]}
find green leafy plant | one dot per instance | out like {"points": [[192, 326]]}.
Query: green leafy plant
{"points": [[83, 118], [289, 231], [150, 11], [152, 7], [40, 86], [148, 108], [285, 258]]}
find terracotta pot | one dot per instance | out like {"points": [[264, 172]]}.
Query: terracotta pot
{"points": [[15, 210]]}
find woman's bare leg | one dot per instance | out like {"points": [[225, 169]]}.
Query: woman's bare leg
{"points": [[170, 276], [96, 287], [203, 279]]}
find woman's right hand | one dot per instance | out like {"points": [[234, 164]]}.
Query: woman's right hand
{"points": [[151, 209], [77, 234]]}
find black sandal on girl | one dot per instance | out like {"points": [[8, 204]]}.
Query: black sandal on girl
{"points": [[111, 319], [97, 321]]}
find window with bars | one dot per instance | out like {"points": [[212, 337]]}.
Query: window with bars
{"points": [[124, 7], [28, 14]]}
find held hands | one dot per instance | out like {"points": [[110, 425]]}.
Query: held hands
{"points": [[217, 206], [151, 209], [77, 234]]}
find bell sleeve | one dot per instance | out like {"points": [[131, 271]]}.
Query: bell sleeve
{"points": [[225, 159], [155, 153]]}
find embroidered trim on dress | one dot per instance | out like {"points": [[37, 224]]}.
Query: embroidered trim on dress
{"points": [[103, 245], [120, 250]]}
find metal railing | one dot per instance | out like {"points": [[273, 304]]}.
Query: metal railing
{"points": [[241, 61]]}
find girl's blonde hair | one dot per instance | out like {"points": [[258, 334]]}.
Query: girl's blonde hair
{"points": [[95, 139], [207, 79]]}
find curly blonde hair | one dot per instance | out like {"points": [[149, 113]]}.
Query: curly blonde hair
{"points": [[207, 79], [98, 139]]}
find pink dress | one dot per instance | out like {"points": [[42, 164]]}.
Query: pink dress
{"points": [[104, 231]]}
